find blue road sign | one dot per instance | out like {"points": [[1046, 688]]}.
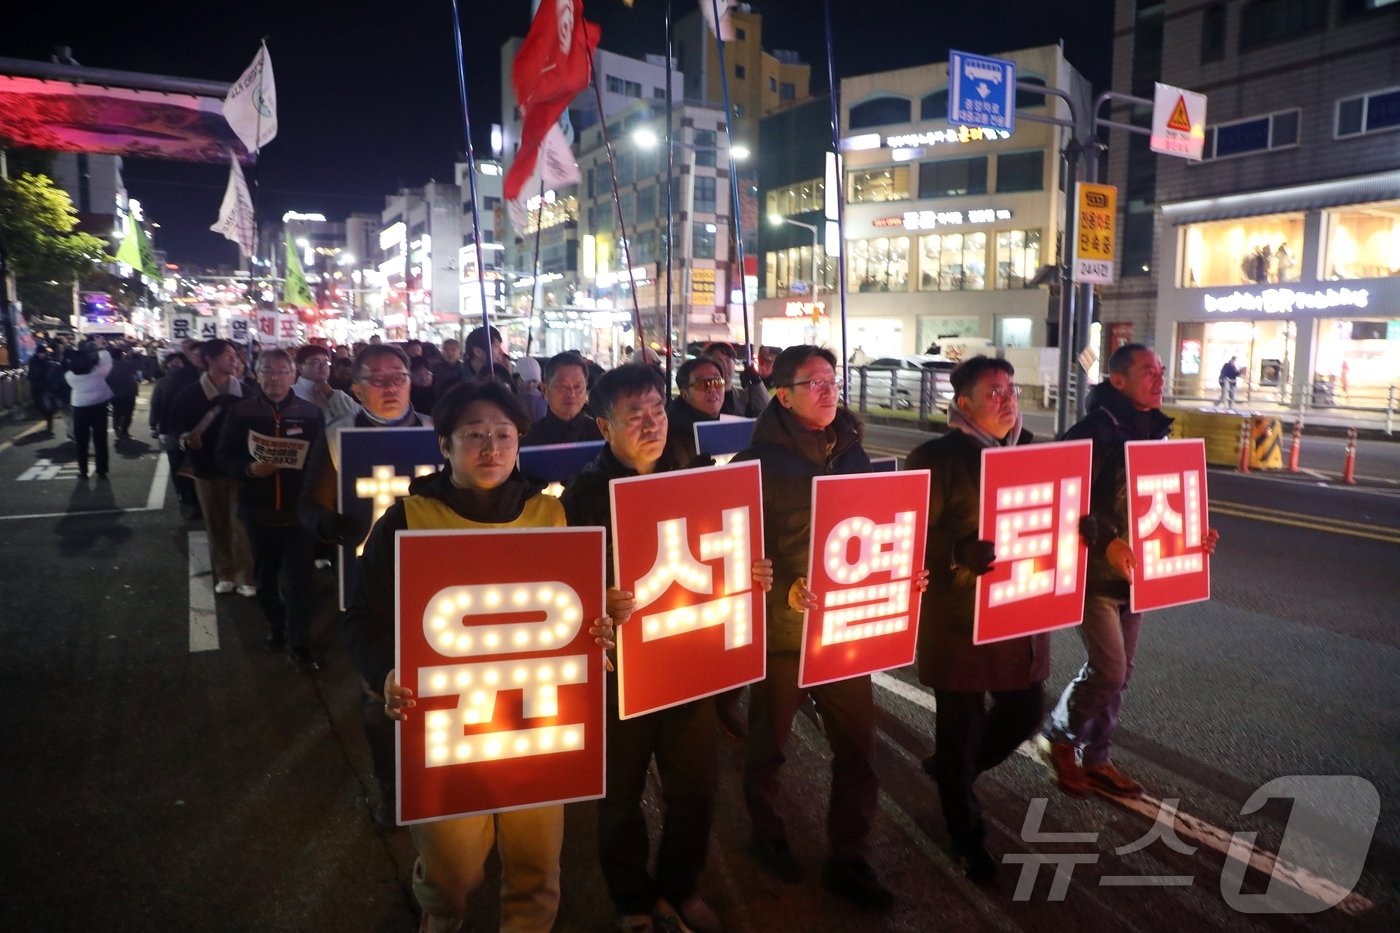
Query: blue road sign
{"points": [[981, 91]]}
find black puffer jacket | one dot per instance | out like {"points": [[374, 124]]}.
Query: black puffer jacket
{"points": [[1111, 423], [681, 418], [588, 501], [791, 456], [268, 500]]}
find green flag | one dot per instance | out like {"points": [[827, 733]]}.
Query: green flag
{"points": [[294, 287], [136, 250]]}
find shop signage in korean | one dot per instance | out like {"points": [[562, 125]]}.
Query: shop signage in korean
{"points": [[1167, 509], [1286, 300], [812, 309], [1094, 246], [930, 220]]}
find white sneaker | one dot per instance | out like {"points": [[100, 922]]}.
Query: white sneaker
{"points": [[248, 590], [223, 587], [322, 564]]}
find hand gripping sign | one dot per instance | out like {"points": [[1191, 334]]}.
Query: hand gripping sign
{"points": [[1032, 500], [1167, 522], [493, 640], [684, 544], [868, 538], [375, 467]]}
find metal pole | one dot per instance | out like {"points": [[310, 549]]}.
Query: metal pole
{"points": [[471, 178], [670, 206], [840, 193], [1086, 291], [733, 190], [1070, 157]]}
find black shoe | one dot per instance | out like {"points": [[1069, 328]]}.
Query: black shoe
{"points": [[302, 659], [101, 474], [976, 862], [776, 857], [82, 474], [384, 809], [855, 880], [275, 643]]}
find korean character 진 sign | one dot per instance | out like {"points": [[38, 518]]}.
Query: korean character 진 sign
{"points": [[1167, 512]]}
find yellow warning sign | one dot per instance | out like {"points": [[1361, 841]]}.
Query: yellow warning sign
{"points": [[1180, 119], [1093, 247]]}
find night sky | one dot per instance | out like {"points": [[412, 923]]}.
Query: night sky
{"points": [[367, 91]]}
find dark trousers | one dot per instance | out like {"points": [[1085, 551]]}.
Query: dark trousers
{"points": [[379, 736], [971, 739], [184, 485], [283, 553], [90, 427], [122, 408], [847, 710], [682, 740]]}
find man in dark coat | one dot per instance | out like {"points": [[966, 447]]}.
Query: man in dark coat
{"points": [[700, 395], [971, 738], [566, 391]]}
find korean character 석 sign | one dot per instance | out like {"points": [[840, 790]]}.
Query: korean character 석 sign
{"points": [[1167, 522], [494, 642], [684, 544], [868, 538], [1032, 500]]}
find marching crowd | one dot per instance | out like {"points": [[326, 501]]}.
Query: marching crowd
{"points": [[271, 520]]}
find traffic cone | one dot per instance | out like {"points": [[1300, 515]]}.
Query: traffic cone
{"points": [[1297, 446], [1244, 446], [1349, 465]]}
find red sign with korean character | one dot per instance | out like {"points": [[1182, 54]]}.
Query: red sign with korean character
{"points": [[267, 327], [492, 637], [868, 537], [1167, 522], [684, 544], [1032, 500]]}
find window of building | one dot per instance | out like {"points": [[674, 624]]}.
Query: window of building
{"points": [[622, 86], [1369, 113], [951, 178], [1021, 171], [628, 201], [1362, 7], [801, 198], [658, 93], [1265, 21], [739, 111], [934, 106], [1026, 100], [1242, 251], [703, 242], [787, 91], [1213, 33], [704, 141], [881, 111], [1257, 134], [704, 195], [1017, 257], [739, 35], [879, 265], [877, 184], [953, 262], [772, 83], [740, 71], [624, 168], [1363, 241], [787, 266], [644, 248], [646, 204]]}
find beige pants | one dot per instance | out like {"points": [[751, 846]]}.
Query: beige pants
{"points": [[452, 856], [230, 554]]}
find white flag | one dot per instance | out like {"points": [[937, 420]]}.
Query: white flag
{"points": [[555, 164], [251, 105], [236, 213], [725, 32]]}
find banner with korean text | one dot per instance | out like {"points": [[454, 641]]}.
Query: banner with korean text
{"points": [[868, 538], [1032, 500], [267, 328], [374, 467], [494, 644], [1167, 513], [684, 544]]}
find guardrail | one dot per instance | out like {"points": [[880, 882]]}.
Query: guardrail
{"points": [[1374, 404], [925, 391], [14, 392]]}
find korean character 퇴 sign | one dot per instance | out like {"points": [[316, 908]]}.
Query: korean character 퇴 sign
{"points": [[684, 544], [1032, 500], [375, 466], [1167, 522], [868, 538], [493, 640]]}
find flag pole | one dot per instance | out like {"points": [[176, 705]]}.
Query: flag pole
{"points": [[670, 183], [733, 189], [535, 271], [621, 221], [839, 194], [471, 178], [253, 291]]}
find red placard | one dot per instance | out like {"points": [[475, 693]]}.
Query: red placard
{"points": [[1167, 510], [1032, 500], [492, 637], [684, 544], [868, 538]]}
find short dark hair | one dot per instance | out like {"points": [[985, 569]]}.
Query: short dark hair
{"points": [[456, 400], [452, 342], [622, 381], [418, 362], [787, 364], [173, 357], [1121, 360], [374, 351], [211, 350], [560, 360], [721, 346], [273, 355], [477, 340], [689, 367], [970, 370], [311, 349]]}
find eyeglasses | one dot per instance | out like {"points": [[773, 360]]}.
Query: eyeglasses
{"points": [[387, 380], [998, 394], [818, 385], [317, 361], [475, 437], [714, 382]]}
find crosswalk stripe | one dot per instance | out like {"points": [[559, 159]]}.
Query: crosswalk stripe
{"points": [[204, 618]]}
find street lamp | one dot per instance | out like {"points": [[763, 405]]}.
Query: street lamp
{"points": [[777, 220]]}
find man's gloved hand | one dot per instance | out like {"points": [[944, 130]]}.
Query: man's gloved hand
{"points": [[1094, 531], [345, 530], [974, 554], [749, 377]]}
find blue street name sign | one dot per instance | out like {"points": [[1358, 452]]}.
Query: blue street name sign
{"points": [[981, 91]]}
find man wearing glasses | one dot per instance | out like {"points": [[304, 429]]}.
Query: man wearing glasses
{"points": [[565, 392], [313, 377], [701, 385]]}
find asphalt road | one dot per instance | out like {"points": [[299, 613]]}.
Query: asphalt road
{"points": [[151, 787]]}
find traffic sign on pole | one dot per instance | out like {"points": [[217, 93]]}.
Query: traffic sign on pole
{"points": [[981, 91], [1178, 122], [1093, 246]]}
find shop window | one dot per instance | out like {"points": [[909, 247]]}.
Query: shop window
{"points": [[880, 265], [1242, 251], [703, 242], [1369, 113], [1363, 241], [1021, 171], [878, 184], [1265, 21], [1213, 33], [934, 106], [1017, 257], [952, 178], [881, 111], [953, 262], [1257, 134]]}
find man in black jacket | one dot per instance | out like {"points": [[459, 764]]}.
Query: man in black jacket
{"points": [[264, 442], [1080, 730], [700, 395], [566, 391]]}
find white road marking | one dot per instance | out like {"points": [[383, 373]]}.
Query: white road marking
{"points": [[204, 618], [156, 498], [1264, 862], [80, 513], [45, 469]]}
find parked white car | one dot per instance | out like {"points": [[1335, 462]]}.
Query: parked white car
{"points": [[895, 381]]}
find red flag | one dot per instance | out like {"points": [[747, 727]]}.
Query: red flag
{"points": [[554, 63]]}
